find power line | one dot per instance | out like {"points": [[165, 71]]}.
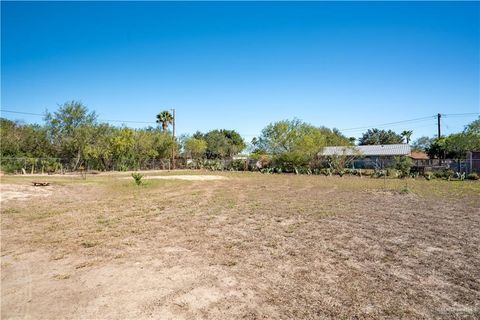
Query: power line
{"points": [[29, 113], [415, 120], [389, 124], [460, 114], [104, 120]]}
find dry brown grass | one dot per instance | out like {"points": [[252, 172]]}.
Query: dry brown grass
{"points": [[251, 246]]}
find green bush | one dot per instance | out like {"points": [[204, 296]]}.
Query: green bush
{"points": [[448, 174], [236, 165], [137, 177], [290, 161], [403, 165], [439, 174], [213, 165], [429, 175], [379, 173], [472, 176]]}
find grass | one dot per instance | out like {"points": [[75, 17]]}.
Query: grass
{"points": [[278, 246]]}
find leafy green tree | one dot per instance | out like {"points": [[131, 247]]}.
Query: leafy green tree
{"points": [[377, 137], [290, 136], [19, 140], [294, 143], [223, 143], [407, 134], [195, 148], [70, 129], [473, 127], [458, 144], [422, 143], [99, 152], [165, 118], [122, 144]]}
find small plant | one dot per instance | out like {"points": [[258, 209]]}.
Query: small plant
{"points": [[429, 175], [379, 173], [137, 177], [473, 176], [326, 171], [405, 190], [460, 175], [89, 243], [449, 174]]}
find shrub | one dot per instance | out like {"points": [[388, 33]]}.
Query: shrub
{"points": [[213, 165], [237, 165], [403, 165], [379, 173], [460, 175], [326, 171], [393, 173], [290, 161], [472, 176], [429, 175], [137, 177], [448, 174], [439, 174]]}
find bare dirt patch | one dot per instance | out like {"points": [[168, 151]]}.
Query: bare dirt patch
{"points": [[248, 247], [23, 192], [188, 177]]}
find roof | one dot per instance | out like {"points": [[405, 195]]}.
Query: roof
{"points": [[418, 155], [370, 150]]}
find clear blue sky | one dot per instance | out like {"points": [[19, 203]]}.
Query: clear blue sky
{"points": [[243, 65]]}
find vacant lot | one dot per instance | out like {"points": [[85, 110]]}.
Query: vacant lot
{"points": [[249, 246]]}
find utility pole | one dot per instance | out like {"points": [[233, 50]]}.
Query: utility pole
{"points": [[439, 135], [173, 145], [438, 124]]}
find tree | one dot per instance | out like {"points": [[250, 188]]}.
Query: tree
{"points": [[294, 143], [70, 129], [195, 148], [377, 136], [165, 118], [99, 152], [407, 134], [458, 144], [222, 143], [473, 127], [422, 143]]}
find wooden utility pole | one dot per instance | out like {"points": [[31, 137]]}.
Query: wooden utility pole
{"points": [[173, 145], [438, 124]]}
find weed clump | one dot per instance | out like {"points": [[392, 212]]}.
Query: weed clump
{"points": [[473, 176], [137, 177]]}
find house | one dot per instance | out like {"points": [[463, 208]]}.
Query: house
{"points": [[371, 156], [419, 155], [375, 151]]}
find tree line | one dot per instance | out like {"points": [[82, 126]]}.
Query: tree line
{"points": [[73, 136]]}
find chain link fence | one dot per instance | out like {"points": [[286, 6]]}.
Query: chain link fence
{"points": [[25, 165]]}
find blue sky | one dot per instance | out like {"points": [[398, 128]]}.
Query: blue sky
{"points": [[243, 65]]}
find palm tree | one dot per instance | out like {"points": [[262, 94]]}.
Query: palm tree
{"points": [[407, 134], [165, 118]]}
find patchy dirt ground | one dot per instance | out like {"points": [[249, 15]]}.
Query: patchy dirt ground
{"points": [[187, 177], [22, 192], [248, 247]]}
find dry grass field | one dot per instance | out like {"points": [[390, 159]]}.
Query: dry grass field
{"points": [[249, 246]]}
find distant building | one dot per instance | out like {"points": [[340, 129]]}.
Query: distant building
{"points": [[371, 151], [419, 155], [370, 156]]}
